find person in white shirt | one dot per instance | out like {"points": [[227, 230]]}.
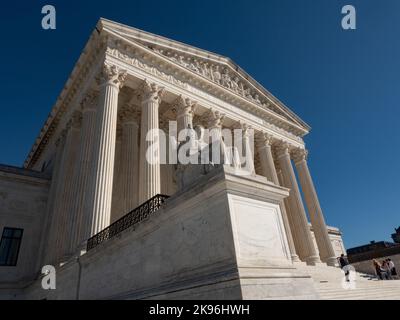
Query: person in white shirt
{"points": [[392, 267]]}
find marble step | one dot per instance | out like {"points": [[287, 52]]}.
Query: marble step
{"points": [[328, 284], [359, 291], [367, 288], [387, 296], [362, 294], [360, 285], [355, 293]]}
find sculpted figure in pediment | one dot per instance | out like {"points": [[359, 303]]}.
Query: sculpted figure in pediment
{"points": [[257, 99], [216, 75], [235, 84], [181, 60], [225, 79], [205, 71], [193, 66]]}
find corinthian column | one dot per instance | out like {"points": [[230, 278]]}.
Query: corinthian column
{"points": [[215, 121], [45, 245], [82, 173], [168, 179], [129, 174], [296, 212], [248, 145], [269, 171], [324, 243], [66, 191], [184, 112], [116, 205], [98, 213], [149, 162]]}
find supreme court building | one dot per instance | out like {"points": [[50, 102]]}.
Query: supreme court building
{"points": [[117, 226]]}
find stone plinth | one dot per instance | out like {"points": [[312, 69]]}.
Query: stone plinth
{"points": [[226, 241]]}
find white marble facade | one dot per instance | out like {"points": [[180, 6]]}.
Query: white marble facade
{"points": [[128, 82]]}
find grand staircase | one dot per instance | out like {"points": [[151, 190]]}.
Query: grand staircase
{"points": [[329, 282]]}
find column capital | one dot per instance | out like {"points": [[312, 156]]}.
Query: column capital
{"points": [[299, 155], [246, 128], [111, 75], [264, 139], [184, 106], [89, 100], [283, 149], [215, 118], [150, 91]]}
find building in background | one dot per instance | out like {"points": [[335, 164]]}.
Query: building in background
{"points": [[361, 257], [396, 236]]}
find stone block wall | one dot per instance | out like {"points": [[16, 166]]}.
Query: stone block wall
{"points": [[23, 198]]}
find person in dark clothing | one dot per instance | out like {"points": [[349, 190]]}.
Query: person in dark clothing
{"points": [[343, 263]]}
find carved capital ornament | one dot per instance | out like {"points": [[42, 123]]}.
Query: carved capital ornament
{"points": [[265, 139], [215, 118], [300, 155], [184, 106], [150, 91], [112, 75]]}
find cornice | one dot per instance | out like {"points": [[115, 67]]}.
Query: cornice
{"points": [[23, 174]]}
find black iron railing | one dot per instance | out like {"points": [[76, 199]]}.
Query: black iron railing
{"points": [[132, 218]]}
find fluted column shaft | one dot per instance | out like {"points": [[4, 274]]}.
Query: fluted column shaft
{"points": [[116, 206], [130, 166], [149, 163], [83, 171], [99, 202], [324, 243], [65, 189], [269, 171], [50, 212], [296, 213], [168, 186]]}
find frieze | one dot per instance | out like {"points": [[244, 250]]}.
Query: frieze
{"points": [[138, 63]]}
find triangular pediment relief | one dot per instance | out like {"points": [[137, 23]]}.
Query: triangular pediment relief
{"points": [[218, 69]]}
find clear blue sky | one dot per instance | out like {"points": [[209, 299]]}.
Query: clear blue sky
{"points": [[345, 84]]}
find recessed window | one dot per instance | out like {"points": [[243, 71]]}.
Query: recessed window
{"points": [[9, 246]]}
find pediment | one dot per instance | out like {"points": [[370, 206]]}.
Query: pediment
{"points": [[221, 70]]}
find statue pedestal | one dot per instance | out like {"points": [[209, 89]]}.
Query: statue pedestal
{"points": [[220, 237], [247, 228]]}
